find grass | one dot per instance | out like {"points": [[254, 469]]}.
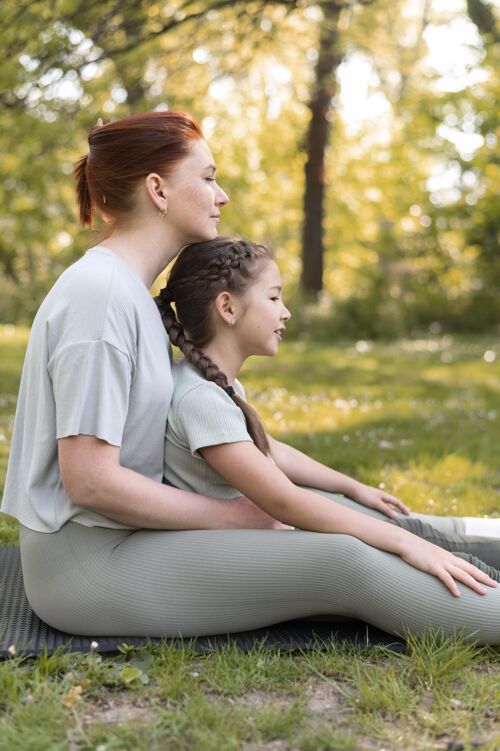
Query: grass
{"points": [[420, 416]]}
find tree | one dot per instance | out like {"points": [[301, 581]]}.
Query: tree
{"points": [[322, 94]]}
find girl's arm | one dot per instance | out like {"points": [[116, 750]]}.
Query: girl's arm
{"points": [[247, 469], [302, 470], [93, 478]]}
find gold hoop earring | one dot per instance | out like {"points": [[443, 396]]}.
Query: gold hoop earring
{"points": [[163, 212]]}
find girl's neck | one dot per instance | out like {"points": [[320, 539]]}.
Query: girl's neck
{"points": [[227, 358]]}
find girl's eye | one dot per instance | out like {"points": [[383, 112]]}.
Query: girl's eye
{"points": [[210, 179], [275, 299]]}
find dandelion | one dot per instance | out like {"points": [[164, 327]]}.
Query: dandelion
{"points": [[72, 696], [489, 356], [12, 650], [93, 645]]}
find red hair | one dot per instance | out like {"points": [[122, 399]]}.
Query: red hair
{"points": [[125, 151]]}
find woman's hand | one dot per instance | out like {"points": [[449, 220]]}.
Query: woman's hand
{"points": [[446, 566], [251, 516], [378, 499]]}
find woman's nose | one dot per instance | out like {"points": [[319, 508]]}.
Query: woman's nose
{"points": [[221, 198]]}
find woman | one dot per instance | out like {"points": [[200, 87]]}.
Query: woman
{"points": [[86, 459], [87, 444]]}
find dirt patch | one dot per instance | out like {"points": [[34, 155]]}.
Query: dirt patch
{"points": [[254, 698], [322, 698], [119, 711], [277, 745]]}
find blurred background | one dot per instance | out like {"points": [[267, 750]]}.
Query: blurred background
{"points": [[359, 139]]}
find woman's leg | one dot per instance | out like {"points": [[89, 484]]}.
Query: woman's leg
{"points": [[99, 581]]}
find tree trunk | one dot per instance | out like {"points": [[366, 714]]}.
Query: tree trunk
{"points": [[329, 58]]}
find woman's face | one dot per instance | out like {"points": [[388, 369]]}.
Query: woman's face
{"points": [[194, 198]]}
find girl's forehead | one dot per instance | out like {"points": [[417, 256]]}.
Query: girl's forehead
{"points": [[269, 275]]}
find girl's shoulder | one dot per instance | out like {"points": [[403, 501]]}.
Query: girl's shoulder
{"points": [[188, 380], [185, 375]]}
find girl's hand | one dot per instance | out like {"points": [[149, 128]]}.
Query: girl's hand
{"points": [[378, 500], [446, 566]]}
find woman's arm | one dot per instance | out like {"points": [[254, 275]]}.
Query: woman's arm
{"points": [[302, 470], [248, 470], [93, 478]]}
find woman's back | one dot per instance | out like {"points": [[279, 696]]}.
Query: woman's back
{"points": [[99, 351]]}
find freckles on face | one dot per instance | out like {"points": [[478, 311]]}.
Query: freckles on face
{"points": [[194, 195]]}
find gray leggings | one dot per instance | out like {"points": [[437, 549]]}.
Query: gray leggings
{"points": [[99, 581]]}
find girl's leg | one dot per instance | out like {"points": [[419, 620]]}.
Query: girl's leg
{"points": [[99, 581], [446, 532], [453, 525], [486, 549]]}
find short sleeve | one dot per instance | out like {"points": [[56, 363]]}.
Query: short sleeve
{"points": [[239, 389], [91, 385], [207, 416]]}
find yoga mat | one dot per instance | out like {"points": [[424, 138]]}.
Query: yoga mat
{"points": [[20, 627]]}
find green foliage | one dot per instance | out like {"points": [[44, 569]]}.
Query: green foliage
{"points": [[401, 252]]}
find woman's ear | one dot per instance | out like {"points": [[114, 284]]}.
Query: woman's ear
{"points": [[156, 190], [225, 308]]}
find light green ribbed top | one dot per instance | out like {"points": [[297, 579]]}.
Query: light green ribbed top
{"points": [[201, 414]]}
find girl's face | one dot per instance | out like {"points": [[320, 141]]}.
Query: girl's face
{"points": [[194, 198], [261, 314]]}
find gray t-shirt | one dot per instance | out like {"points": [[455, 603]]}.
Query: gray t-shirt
{"points": [[201, 414], [97, 363]]}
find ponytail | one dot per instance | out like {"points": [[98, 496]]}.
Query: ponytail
{"points": [[208, 369], [82, 192]]}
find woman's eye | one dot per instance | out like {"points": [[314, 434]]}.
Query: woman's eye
{"points": [[275, 299], [210, 179]]}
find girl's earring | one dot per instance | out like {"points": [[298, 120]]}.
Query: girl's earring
{"points": [[163, 212]]}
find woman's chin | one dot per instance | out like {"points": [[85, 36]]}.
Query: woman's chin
{"points": [[203, 237]]}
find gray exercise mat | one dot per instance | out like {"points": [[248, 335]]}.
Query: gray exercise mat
{"points": [[21, 628]]}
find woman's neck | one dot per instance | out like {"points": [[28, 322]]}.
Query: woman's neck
{"points": [[147, 252]]}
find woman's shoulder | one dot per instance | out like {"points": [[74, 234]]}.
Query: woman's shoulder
{"points": [[100, 298]]}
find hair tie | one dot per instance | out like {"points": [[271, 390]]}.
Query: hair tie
{"points": [[229, 390]]}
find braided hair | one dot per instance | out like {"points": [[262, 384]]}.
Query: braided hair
{"points": [[200, 272]]}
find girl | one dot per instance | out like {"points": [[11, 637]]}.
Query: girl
{"points": [[227, 295]]}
